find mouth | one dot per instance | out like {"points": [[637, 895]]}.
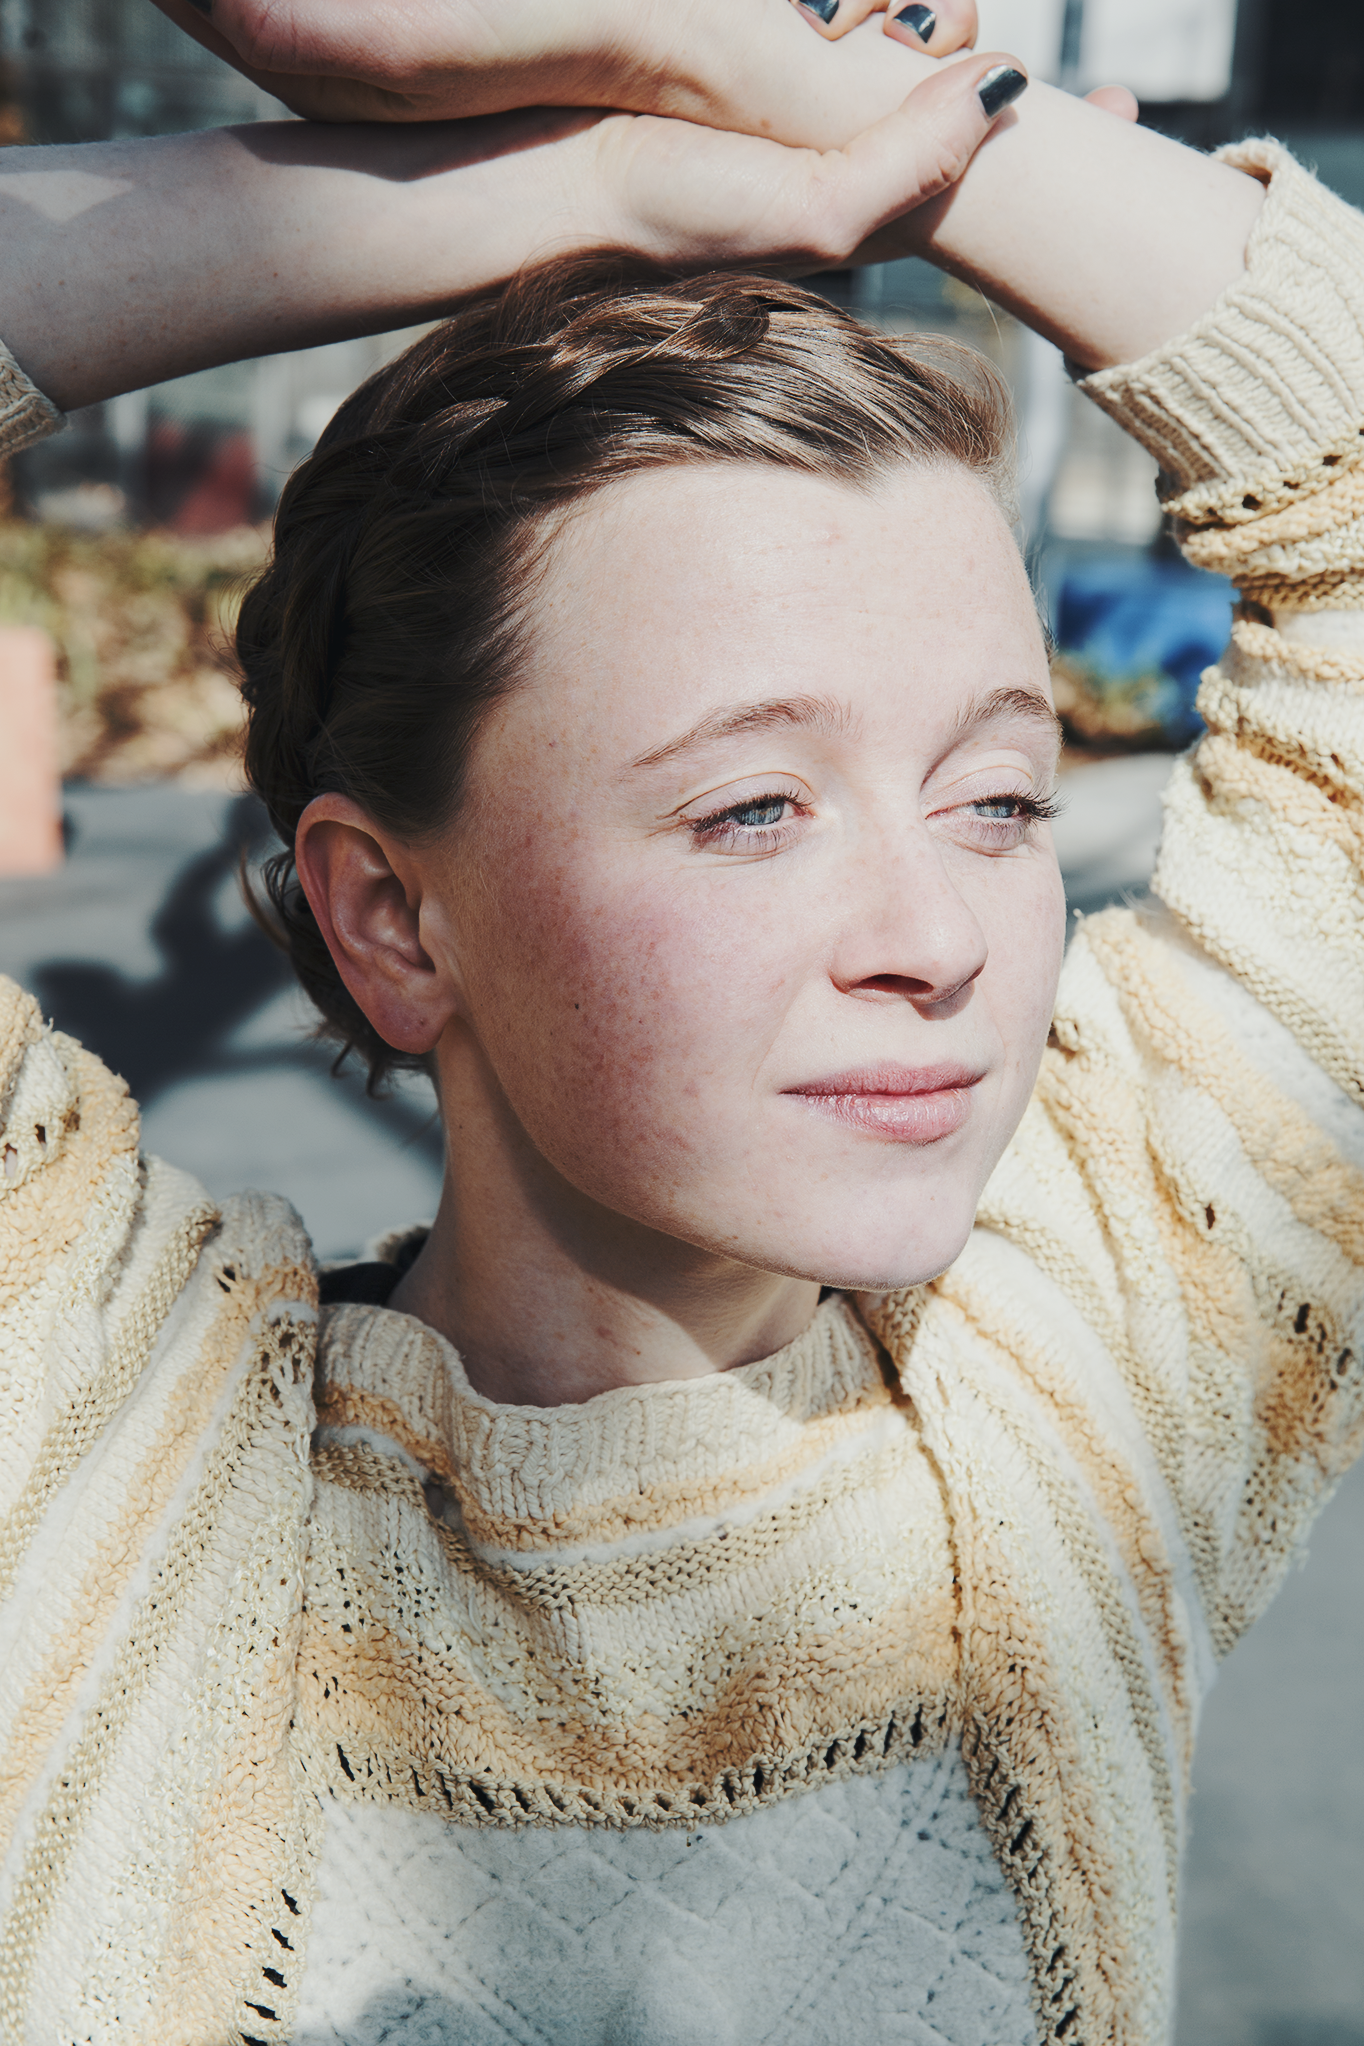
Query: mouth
{"points": [[904, 1104]]}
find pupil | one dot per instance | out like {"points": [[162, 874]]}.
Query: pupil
{"points": [[762, 813]]}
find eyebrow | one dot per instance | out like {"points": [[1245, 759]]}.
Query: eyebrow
{"points": [[817, 713], [1000, 704], [823, 713]]}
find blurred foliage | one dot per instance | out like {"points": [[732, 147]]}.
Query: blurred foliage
{"points": [[1104, 714], [143, 626]]}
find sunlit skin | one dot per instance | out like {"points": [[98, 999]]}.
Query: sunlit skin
{"points": [[738, 960]]}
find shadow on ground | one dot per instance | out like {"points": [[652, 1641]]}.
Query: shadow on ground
{"points": [[159, 1031]]}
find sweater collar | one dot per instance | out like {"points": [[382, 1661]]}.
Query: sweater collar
{"points": [[524, 1479]]}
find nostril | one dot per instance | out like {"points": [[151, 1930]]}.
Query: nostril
{"points": [[899, 985], [904, 987]]}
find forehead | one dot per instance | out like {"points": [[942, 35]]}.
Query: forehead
{"points": [[680, 588], [736, 547]]}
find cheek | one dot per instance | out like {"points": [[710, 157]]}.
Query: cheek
{"points": [[621, 1019], [1026, 930]]}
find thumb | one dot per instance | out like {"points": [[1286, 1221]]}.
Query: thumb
{"points": [[913, 154], [680, 193]]}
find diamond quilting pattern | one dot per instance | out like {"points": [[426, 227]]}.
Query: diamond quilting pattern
{"points": [[870, 1908]]}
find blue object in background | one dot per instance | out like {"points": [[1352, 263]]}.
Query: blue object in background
{"points": [[1129, 619]]}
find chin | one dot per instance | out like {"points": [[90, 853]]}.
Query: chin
{"points": [[873, 1264]]}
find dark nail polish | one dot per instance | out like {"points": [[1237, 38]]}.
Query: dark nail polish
{"points": [[204, 6], [1000, 88], [922, 20], [823, 10]]}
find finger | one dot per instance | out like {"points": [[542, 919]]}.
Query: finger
{"points": [[1115, 99], [940, 27], [918, 151], [833, 18]]}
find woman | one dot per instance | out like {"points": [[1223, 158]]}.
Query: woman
{"points": [[750, 1569]]}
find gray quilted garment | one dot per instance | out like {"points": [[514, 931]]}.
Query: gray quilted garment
{"points": [[871, 1910]]}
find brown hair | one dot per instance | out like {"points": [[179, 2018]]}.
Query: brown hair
{"points": [[389, 617]]}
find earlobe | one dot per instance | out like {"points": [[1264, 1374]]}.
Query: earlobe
{"points": [[365, 890]]}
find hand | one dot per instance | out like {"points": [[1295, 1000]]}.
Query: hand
{"points": [[688, 196], [749, 65]]}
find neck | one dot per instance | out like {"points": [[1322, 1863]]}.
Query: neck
{"points": [[551, 1298], [548, 1316]]}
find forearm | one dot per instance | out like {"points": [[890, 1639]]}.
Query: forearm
{"points": [[125, 263], [1106, 237]]}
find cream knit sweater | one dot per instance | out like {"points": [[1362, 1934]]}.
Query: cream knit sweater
{"points": [[1027, 1518]]}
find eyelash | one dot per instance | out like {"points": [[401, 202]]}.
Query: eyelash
{"points": [[1035, 809], [723, 829]]}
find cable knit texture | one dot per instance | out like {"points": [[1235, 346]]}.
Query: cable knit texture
{"points": [[1019, 1512], [25, 414], [1256, 415]]}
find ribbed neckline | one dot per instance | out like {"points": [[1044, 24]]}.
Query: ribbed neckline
{"points": [[543, 1467]]}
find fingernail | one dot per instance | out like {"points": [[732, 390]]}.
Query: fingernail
{"points": [[1000, 88], [823, 10], [922, 20]]}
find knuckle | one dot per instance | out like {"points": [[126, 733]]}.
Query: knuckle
{"points": [[958, 26], [287, 38], [266, 37]]}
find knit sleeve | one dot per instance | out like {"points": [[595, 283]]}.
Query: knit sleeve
{"points": [[1206, 1074], [25, 414], [78, 1219], [156, 1364]]}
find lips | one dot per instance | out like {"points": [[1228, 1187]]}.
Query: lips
{"points": [[904, 1104]]}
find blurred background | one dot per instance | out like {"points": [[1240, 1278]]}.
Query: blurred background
{"points": [[123, 545]]}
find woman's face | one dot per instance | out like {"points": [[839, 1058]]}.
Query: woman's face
{"points": [[756, 937]]}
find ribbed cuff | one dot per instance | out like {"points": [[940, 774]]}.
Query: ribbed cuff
{"points": [[1261, 402], [25, 414]]}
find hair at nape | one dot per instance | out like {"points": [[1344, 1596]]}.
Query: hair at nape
{"points": [[391, 614]]}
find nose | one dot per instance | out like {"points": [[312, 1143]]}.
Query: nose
{"points": [[906, 933]]}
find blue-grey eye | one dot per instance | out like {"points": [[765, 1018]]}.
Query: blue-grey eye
{"points": [[755, 815]]}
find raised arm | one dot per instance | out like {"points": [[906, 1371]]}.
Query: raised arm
{"points": [[123, 263], [1106, 237], [1108, 243], [1207, 1066]]}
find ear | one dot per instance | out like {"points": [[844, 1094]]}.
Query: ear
{"points": [[365, 889]]}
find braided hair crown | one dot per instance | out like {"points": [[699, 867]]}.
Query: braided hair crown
{"points": [[393, 611]]}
